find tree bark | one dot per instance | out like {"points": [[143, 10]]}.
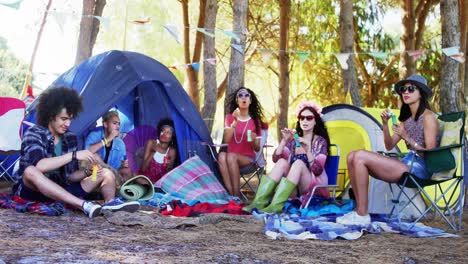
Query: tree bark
{"points": [[283, 100], [463, 4], [209, 70], [237, 65], [450, 79], [407, 41], [89, 28], [350, 83]]}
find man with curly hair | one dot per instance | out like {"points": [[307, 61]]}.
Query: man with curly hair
{"points": [[49, 159]]}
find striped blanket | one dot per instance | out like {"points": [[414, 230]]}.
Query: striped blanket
{"points": [[24, 206]]}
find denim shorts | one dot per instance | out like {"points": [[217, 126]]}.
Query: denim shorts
{"points": [[419, 165], [31, 195]]}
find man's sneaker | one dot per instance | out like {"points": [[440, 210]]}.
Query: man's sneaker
{"points": [[119, 205], [352, 218], [91, 209]]}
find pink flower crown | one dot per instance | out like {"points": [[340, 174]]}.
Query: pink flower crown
{"points": [[311, 104]]}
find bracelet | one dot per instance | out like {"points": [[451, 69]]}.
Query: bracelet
{"points": [[415, 145], [103, 143], [74, 155]]}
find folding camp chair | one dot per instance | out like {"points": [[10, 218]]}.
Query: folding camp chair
{"points": [[12, 111], [446, 163], [331, 167], [251, 172]]}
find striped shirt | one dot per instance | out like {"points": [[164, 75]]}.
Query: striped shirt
{"points": [[38, 143]]}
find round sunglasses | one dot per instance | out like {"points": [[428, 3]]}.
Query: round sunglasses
{"points": [[410, 88]]}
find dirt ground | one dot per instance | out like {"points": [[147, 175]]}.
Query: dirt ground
{"points": [[28, 238]]}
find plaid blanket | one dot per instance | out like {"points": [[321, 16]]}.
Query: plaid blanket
{"points": [[193, 180], [326, 228], [24, 206]]}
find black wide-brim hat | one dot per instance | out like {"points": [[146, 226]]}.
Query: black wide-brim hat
{"points": [[417, 80]]}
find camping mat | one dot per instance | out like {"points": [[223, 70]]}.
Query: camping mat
{"points": [[156, 220], [24, 206], [132, 190], [326, 228]]}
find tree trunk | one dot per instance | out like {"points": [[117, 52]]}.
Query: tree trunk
{"points": [[350, 83], [283, 100], [450, 81], [464, 47], [192, 74], [209, 70], [407, 41], [89, 28], [237, 64]]}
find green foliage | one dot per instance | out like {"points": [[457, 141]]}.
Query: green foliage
{"points": [[12, 72]]}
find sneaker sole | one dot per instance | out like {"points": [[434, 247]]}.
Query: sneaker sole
{"points": [[96, 213], [132, 207]]}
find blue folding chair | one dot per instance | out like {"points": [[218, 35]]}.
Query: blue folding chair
{"points": [[331, 167]]}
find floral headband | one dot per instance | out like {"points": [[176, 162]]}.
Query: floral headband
{"points": [[311, 104]]}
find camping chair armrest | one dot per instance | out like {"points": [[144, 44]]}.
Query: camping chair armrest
{"points": [[211, 146], [439, 149], [395, 155]]}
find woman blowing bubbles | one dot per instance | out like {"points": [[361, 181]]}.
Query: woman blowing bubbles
{"points": [[300, 159], [418, 128], [242, 133]]}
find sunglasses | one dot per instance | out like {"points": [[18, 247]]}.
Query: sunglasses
{"points": [[243, 95], [309, 118], [410, 88]]}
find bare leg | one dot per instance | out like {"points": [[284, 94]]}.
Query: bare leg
{"points": [[235, 162], [280, 169], [34, 179], [349, 160], [105, 181], [380, 167], [223, 167]]}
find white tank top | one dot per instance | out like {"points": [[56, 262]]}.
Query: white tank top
{"points": [[159, 157]]}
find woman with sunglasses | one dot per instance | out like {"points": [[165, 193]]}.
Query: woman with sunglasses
{"points": [[300, 158], [418, 127], [242, 133]]}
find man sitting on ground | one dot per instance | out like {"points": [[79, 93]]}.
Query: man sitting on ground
{"points": [[49, 159], [108, 145]]}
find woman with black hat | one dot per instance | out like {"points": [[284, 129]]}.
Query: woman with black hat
{"points": [[418, 127]]}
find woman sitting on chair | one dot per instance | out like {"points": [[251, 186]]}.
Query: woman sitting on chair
{"points": [[300, 158], [160, 154], [242, 133], [418, 128]]}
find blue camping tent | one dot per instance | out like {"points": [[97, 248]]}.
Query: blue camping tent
{"points": [[142, 90]]}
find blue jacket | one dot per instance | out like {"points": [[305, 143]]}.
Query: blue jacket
{"points": [[117, 152]]}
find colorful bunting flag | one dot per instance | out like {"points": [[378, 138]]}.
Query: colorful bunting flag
{"points": [[416, 54], [141, 21], [103, 20], [378, 55], [211, 61], [231, 34], [266, 55], [15, 4], [454, 53], [204, 31], [239, 48], [343, 59], [302, 55], [196, 66], [173, 31]]}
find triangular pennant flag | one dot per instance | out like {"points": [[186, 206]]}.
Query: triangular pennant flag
{"points": [[211, 61], [196, 66], [266, 55], [105, 22], [231, 34], [239, 48], [348, 99], [379, 55], [173, 67], [204, 31], [454, 53], [302, 55], [416, 54], [172, 30], [15, 4], [343, 59], [60, 17], [141, 21]]}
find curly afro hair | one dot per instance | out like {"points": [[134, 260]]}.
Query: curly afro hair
{"points": [[53, 100]]}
